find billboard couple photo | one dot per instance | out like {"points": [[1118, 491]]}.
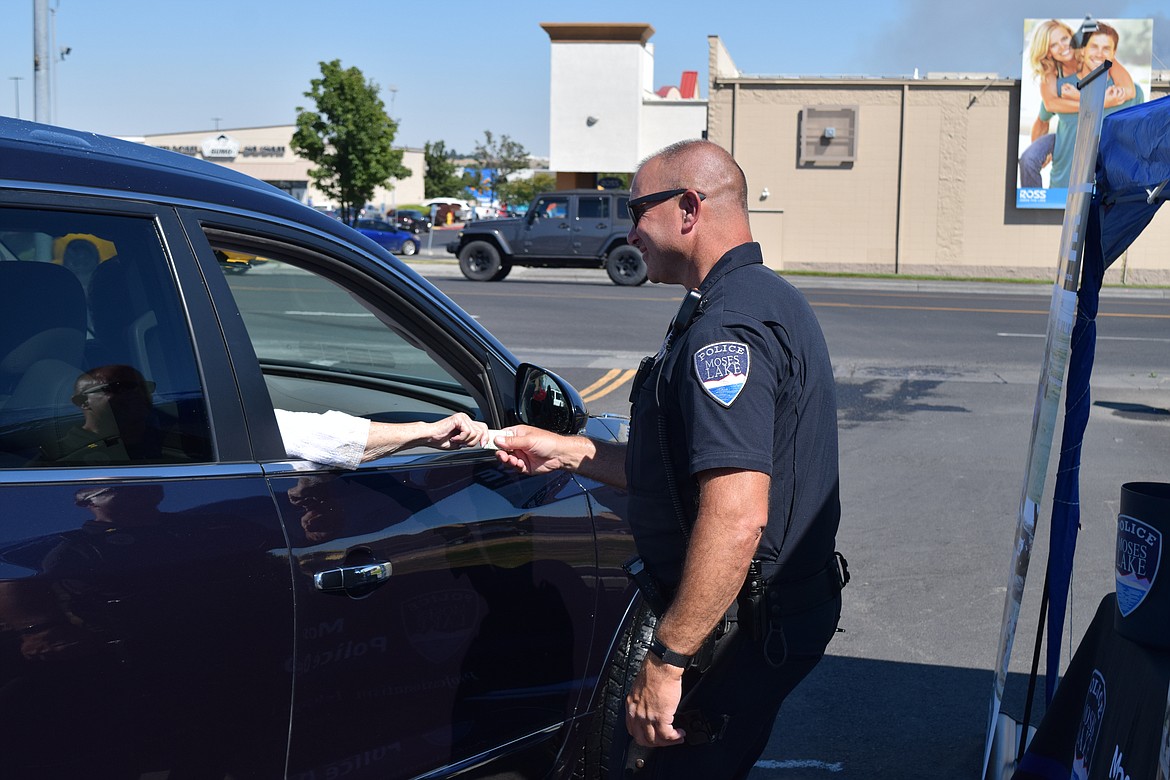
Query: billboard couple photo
{"points": [[1049, 99]]}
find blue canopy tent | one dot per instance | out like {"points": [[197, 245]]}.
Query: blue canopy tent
{"points": [[1132, 175]]}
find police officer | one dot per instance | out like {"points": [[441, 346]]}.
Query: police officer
{"points": [[732, 458]]}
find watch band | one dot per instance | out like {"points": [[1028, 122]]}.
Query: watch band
{"points": [[668, 656]]}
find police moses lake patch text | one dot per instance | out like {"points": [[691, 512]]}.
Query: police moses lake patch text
{"points": [[722, 369], [1139, 551]]}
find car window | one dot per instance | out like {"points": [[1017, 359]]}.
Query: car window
{"points": [[593, 208], [623, 207], [97, 365], [552, 207], [327, 345]]}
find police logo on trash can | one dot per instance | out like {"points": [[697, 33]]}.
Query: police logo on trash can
{"points": [[722, 369], [1139, 550], [1090, 727]]}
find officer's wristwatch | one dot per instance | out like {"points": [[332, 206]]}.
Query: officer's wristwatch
{"points": [[668, 656]]}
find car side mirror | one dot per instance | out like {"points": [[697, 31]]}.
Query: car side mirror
{"points": [[544, 400]]}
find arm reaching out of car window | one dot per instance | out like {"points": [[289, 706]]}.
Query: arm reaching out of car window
{"points": [[339, 439]]}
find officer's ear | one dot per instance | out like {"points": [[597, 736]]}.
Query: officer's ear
{"points": [[691, 202]]}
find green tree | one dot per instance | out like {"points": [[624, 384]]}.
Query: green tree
{"points": [[349, 138], [524, 190], [440, 180], [501, 156]]}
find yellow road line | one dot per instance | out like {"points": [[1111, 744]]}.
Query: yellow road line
{"points": [[607, 376], [599, 390]]}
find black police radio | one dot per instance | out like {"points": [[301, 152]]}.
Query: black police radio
{"points": [[682, 320]]}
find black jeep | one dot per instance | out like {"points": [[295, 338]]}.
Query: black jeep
{"points": [[566, 229]]}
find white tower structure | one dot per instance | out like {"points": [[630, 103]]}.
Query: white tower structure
{"points": [[604, 113]]}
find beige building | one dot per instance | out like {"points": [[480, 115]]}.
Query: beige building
{"points": [[266, 154], [916, 176]]}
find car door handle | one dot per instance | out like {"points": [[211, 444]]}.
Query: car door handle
{"points": [[601, 226], [350, 577]]}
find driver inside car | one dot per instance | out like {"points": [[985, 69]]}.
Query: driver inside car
{"points": [[121, 426]]}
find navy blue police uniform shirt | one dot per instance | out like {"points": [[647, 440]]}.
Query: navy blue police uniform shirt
{"points": [[747, 386]]}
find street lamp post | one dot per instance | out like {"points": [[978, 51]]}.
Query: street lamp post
{"points": [[16, 83], [41, 60]]}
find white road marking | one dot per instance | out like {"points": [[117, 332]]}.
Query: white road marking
{"points": [[328, 314], [1099, 338]]}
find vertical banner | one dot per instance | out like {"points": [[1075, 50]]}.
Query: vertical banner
{"points": [[1049, 97], [1061, 317]]}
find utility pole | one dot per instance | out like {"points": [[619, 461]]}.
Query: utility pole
{"points": [[41, 64], [16, 83]]}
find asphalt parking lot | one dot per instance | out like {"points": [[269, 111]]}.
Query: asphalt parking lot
{"points": [[932, 452]]}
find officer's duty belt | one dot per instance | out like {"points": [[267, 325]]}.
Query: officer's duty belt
{"points": [[791, 596]]}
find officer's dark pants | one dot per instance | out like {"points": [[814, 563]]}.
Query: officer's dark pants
{"points": [[743, 685]]}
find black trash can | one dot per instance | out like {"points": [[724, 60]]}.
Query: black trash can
{"points": [[1143, 582]]}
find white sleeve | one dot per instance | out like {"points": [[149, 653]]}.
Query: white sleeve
{"points": [[332, 438]]}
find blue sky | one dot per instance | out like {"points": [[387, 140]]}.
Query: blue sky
{"points": [[140, 66]]}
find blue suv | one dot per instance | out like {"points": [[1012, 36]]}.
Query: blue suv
{"points": [[180, 598]]}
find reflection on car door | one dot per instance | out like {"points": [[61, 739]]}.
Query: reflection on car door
{"points": [[474, 639], [145, 596], [444, 603]]}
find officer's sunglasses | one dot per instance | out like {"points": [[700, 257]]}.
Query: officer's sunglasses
{"points": [[640, 205]]}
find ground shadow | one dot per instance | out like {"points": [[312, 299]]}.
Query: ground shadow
{"points": [[879, 400], [855, 718]]}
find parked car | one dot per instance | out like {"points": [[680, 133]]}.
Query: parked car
{"points": [[449, 208], [389, 236], [235, 262], [180, 598], [568, 229], [412, 220]]}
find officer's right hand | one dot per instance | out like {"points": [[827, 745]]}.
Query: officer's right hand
{"points": [[652, 703], [530, 450]]}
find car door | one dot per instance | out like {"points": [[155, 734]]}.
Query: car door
{"points": [[444, 604], [592, 224], [146, 605], [548, 231]]}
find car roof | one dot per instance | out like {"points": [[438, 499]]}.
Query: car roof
{"points": [[34, 154]]}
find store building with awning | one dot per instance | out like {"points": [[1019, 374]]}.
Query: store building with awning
{"points": [[266, 153]]}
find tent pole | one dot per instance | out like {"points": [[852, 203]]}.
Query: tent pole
{"points": [[1061, 317]]}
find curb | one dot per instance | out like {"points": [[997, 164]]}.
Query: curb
{"points": [[437, 263]]}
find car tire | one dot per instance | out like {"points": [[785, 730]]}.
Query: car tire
{"points": [[480, 261], [505, 269], [625, 266], [610, 717], [409, 248]]}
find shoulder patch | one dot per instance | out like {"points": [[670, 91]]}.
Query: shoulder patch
{"points": [[722, 369]]}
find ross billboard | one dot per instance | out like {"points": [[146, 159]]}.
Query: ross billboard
{"points": [[1049, 96]]}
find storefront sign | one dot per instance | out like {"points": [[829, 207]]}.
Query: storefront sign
{"points": [[221, 147], [188, 150], [262, 151]]}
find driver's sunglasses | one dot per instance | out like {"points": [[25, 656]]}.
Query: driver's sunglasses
{"points": [[640, 205], [117, 387]]}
